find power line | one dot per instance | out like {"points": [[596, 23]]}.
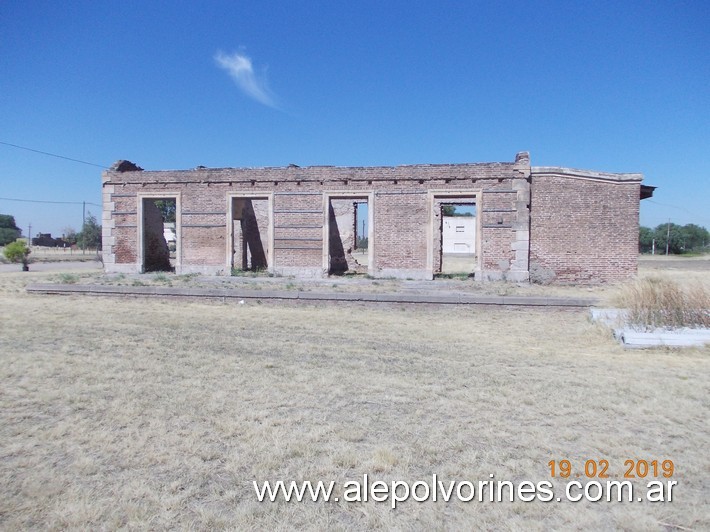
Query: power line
{"points": [[668, 205], [676, 207], [59, 202], [54, 155]]}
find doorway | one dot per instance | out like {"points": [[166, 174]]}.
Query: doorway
{"points": [[250, 234], [159, 234]]}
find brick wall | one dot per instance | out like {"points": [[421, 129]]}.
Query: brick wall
{"points": [[584, 226], [577, 229], [401, 203]]}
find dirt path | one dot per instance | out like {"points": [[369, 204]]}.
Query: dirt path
{"points": [[697, 264]]}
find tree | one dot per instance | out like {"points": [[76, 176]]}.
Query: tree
{"points": [[90, 235], [680, 239], [167, 209], [69, 235], [18, 251], [695, 237], [9, 232], [452, 210]]}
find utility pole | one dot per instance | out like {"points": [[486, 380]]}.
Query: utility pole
{"points": [[29, 236], [668, 236], [83, 227]]}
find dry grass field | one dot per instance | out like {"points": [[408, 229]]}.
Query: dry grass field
{"points": [[153, 414], [47, 254]]}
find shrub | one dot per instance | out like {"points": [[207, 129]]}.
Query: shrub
{"points": [[657, 302], [18, 251]]}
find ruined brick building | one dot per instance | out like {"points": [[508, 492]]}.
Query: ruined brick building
{"points": [[531, 223]]}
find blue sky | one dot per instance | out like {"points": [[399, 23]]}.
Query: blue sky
{"points": [[610, 86]]}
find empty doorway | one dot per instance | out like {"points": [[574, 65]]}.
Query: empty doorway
{"points": [[159, 234], [250, 233], [454, 244], [348, 246]]}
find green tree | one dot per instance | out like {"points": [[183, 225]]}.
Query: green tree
{"points": [[90, 234], [167, 209], [695, 237], [681, 239], [18, 251], [448, 210], [670, 234], [9, 232]]}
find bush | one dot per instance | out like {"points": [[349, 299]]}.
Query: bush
{"points": [[18, 251], [657, 302]]}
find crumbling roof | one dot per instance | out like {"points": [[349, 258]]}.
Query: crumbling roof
{"points": [[125, 166]]}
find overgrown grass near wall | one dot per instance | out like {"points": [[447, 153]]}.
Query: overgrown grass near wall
{"points": [[661, 302]]}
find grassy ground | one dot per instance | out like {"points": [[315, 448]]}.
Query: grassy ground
{"points": [[146, 414]]}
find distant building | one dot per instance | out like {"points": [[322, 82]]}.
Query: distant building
{"points": [[169, 232], [459, 235], [46, 240]]}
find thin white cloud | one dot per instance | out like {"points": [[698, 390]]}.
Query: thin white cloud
{"points": [[239, 67]]}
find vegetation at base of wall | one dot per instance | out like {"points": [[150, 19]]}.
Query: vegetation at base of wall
{"points": [[657, 302], [163, 278], [684, 239], [461, 276], [68, 278], [349, 274], [258, 272]]}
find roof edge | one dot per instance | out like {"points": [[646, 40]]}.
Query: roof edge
{"points": [[593, 175]]}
